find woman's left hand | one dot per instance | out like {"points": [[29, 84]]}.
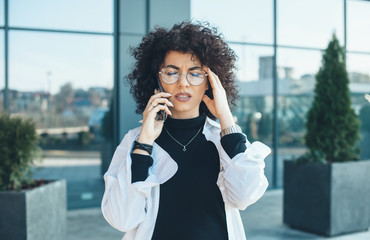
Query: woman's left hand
{"points": [[218, 106]]}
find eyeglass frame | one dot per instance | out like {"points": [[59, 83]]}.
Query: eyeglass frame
{"points": [[160, 72]]}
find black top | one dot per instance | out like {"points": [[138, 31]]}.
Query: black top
{"points": [[191, 205]]}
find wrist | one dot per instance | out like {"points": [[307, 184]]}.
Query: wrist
{"points": [[227, 121], [139, 151], [230, 130], [145, 140], [142, 146]]}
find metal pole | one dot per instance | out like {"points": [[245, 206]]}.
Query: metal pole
{"points": [[6, 56], [345, 27], [147, 15], [116, 85], [275, 93]]}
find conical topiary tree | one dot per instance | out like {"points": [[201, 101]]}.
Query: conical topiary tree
{"points": [[332, 125]]}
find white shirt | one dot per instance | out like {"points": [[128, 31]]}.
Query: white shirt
{"points": [[133, 207]]}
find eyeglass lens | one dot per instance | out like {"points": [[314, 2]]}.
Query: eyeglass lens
{"points": [[172, 75]]}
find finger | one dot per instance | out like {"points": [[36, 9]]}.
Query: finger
{"points": [[162, 100], [157, 95], [206, 99], [211, 78], [217, 79], [160, 107]]}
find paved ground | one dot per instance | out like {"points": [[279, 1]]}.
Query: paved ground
{"points": [[262, 221]]}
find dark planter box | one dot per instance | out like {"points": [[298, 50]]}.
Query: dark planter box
{"points": [[35, 214], [327, 199]]}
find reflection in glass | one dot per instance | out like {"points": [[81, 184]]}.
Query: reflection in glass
{"points": [[254, 107], [358, 67], [240, 20], [2, 20], [2, 77], [254, 77], [296, 82], [83, 15], [64, 83], [309, 23], [358, 25], [296, 73]]}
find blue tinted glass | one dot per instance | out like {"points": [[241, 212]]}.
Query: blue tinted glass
{"points": [[239, 20], [83, 15], [2, 21], [2, 79], [309, 23], [358, 26]]}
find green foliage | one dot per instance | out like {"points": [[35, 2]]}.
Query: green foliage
{"points": [[312, 156], [18, 150], [332, 125]]}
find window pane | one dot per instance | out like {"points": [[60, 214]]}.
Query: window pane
{"points": [[241, 20], [254, 108], [296, 72], [64, 83], [254, 63], [2, 20], [358, 66], [358, 25], [84, 15], [2, 79], [309, 23]]}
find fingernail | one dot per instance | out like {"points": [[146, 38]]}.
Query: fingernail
{"points": [[169, 94]]}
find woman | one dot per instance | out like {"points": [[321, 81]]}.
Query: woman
{"points": [[186, 176]]}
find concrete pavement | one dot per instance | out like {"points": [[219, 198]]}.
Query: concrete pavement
{"points": [[262, 221]]}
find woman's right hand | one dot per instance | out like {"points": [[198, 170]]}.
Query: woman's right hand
{"points": [[152, 128]]}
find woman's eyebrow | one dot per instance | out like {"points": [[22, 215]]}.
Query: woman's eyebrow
{"points": [[177, 68], [173, 66], [193, 68]]}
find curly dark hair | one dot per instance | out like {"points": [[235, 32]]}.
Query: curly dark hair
{"points": [[196, 38]]}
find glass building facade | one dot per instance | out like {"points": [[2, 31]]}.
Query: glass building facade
{"points": [[63, 64]]}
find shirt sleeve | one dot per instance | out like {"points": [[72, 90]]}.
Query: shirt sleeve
{"points": [[233, 144], [139, 167]]}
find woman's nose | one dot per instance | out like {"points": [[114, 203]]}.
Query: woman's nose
{"points": [[183, 81]]}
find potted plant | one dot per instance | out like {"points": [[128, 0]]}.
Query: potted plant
{"points": [[326, 190], [29, 209]]}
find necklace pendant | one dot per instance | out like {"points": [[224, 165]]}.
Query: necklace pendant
{"points": [[184, 149]]}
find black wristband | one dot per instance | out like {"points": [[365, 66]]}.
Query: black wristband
{"points": [[146, 147]]}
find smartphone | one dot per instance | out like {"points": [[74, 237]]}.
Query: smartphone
{"points": [[161, 115]]}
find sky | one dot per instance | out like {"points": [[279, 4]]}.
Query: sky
{"points": [[45, 61]]}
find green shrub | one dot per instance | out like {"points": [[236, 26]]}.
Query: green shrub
{"points": [[332, 125], [18, 150]]}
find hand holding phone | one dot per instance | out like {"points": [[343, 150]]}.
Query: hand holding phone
{"points": [[161, 115]]}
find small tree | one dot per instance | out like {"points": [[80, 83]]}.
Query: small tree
{"points": [[332, 125], [18, 150]]}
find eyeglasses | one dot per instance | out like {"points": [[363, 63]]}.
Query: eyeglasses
{"points": [[171, 75]]}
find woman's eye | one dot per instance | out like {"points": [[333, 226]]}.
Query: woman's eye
{"points": [[171, 73], [195, 74]]}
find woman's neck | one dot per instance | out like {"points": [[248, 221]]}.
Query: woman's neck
{"points": [[184, 115]]}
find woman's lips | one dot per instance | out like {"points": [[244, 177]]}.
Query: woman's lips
{"points": [[183, 97]]}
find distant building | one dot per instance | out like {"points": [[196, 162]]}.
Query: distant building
{"points": [[266, 65]]}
